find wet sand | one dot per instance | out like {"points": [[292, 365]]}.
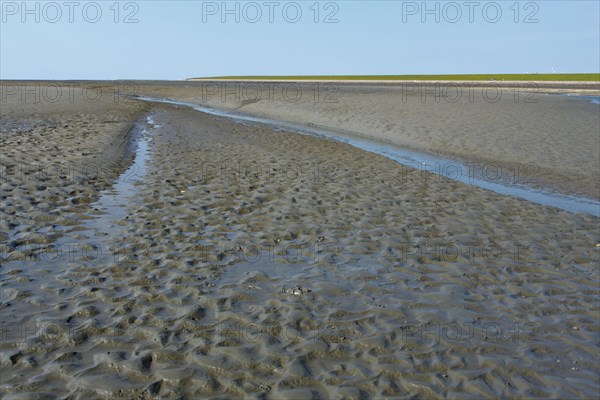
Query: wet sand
{"points": [[239, 260], [520, 134]]}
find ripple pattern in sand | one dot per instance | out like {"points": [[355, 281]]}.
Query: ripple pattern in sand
{"points": [[263, 264]]}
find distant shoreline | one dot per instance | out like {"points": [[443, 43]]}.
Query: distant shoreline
{"points": [[566, 77], [574, 87], [499, 83]]}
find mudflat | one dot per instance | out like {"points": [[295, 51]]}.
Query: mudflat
{"points": [[229, 259], [524, 132]]}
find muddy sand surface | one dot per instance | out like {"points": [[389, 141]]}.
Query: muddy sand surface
{"points": [[530, 133], [214, 258]]}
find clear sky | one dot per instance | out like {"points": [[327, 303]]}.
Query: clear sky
{"points": [[182, 39]]}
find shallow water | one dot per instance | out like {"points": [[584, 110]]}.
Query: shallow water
{"points": [[111, 207], [591, 99], [114, 201], [462, 172]]}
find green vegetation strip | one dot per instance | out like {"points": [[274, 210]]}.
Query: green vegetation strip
{"points": [[480, 77]]}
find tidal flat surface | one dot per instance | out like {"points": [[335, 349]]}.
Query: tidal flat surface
{"points": [[238, 260]]}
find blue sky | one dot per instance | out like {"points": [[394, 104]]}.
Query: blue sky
{"points": [[181, 39]]}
